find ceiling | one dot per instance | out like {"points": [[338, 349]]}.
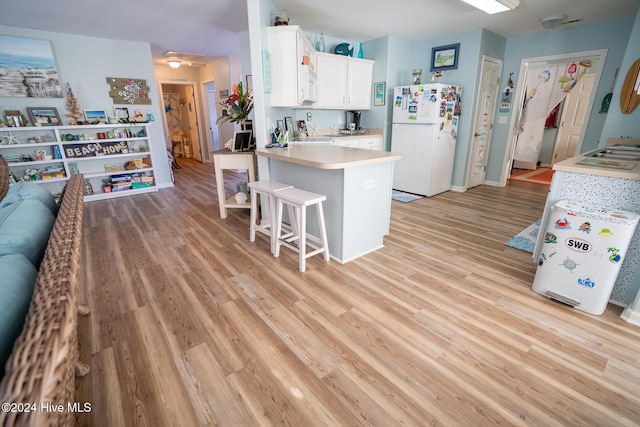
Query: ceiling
{"points": [[210, 27]]}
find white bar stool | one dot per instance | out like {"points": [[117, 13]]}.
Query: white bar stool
{"points": [[299, 200], [268, 189]]}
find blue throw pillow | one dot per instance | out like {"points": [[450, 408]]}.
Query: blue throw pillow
{"points": [[17, 281], [30, 191], [25, 228]]}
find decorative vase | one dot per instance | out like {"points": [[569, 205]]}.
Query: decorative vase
{"points": [[88, 188], [320, 43], [360, 54]]}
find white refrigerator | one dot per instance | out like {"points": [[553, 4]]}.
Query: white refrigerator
{"points": [[424, 130], [583, 249]]}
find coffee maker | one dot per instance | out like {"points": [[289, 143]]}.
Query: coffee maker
{"points": [[353, 120]]}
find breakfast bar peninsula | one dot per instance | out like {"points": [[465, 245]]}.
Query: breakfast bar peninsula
{"points": [[357, 184]]}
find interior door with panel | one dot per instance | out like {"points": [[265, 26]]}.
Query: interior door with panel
{"points": [[573, 115], [483, 123]]}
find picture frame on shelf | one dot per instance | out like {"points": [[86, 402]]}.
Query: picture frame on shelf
{"points": [[288, 123], [121, 113], [15, 118], [44, 116], [280, 124], [94, 116], [445, 57], [379, 93]]}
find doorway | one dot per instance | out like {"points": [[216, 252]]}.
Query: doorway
{"points": [[220, 133], [211, 109], [528, 65], [182, 119]]}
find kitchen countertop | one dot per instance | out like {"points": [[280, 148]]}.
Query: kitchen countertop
{"points": [[598, 166], [322, 156], [332, 134]]}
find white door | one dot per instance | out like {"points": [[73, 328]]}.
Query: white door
{"points": [[213, 137], [194, 136], [483, 124], [572, 120]]}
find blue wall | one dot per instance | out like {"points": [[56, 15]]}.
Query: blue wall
{"points": [[466, 76], [612, 35], [396, 58], [618, 124]]}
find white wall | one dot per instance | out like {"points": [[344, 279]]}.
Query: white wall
{"points": [[86, 62]]}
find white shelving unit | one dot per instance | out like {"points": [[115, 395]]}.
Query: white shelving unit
{"points": [[57, 152]]}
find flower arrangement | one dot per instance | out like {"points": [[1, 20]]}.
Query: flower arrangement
{"points": [[238, 106]]}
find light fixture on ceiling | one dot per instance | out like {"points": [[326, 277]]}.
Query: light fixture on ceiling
{"points": [[174, 63], [493, 6], [552, 22]]}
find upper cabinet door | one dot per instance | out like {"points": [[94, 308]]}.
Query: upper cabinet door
{"points": [[292, 59], [359, 84], [344, 82], [332, 81]]}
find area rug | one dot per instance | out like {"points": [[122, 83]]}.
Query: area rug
{"points": [[539, 176], [404, 197], [526, 239]]}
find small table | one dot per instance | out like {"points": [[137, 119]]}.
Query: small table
{"points": [[225, 159]]}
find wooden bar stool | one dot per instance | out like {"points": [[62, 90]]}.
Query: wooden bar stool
{"points": [[297, 238], [268, 189]]}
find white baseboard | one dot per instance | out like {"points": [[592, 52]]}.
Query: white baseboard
{"points": [[458, 189], [493, 183], [631, 316]]}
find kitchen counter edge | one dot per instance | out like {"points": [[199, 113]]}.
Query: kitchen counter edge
{"points": [[328, 156], [570, 165]]}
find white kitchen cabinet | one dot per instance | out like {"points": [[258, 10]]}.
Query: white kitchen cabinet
{"points": [[371, 143], [366, 142], [344, 82], [100, 152], [293, 67]]}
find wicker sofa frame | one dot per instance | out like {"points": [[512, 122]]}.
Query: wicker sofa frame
{"points": [[44, 361]]}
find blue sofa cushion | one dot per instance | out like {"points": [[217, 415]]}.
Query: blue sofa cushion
{"points": [[17, 281], [25, 227], [30, 191]]}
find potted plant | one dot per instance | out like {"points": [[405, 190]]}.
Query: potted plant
{"points": [[237, 106]]}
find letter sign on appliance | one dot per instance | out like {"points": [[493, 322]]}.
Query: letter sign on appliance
{"points": [[578, 245]]}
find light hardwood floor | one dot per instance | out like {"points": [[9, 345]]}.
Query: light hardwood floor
{"points": [[193, 325]]}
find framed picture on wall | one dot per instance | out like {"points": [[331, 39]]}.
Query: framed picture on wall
{"points": [[445, 57], [378, 93]]}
